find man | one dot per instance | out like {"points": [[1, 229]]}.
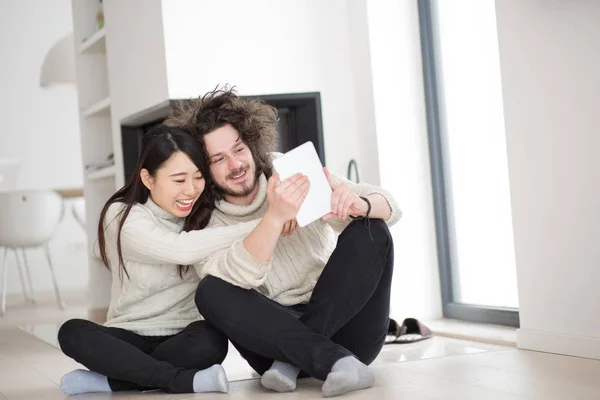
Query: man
{"points": [[298, 301]]}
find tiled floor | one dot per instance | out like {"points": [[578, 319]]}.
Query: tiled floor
{"points": [[440, 368]]}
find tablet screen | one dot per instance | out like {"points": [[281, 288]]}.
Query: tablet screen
{"points": [[304, 159]]}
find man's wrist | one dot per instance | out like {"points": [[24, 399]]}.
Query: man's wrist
{"points": [[366, 210], [367, 202], [273, 221]]}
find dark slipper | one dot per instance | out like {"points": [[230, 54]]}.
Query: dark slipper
{"points": [[411, 330]]}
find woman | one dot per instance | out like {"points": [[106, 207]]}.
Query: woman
{"points": [[149, 235]]}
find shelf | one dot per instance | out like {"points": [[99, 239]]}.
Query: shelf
{"points": [[94, 44], [99, 109], [102, 173]]}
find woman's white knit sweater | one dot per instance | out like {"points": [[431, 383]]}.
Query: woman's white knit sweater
{"points": [[155, 300], [298, 260]]}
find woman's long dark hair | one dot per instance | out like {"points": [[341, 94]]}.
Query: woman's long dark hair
{"points": [[158, 145]]}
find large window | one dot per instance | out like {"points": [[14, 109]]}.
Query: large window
{"points": [[468, 155]]}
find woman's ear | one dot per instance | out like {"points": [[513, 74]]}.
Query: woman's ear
{"points": [[146, 178]]}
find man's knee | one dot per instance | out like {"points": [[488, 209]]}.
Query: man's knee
{"points": [[372, 229], [207, 292], [379, 229]]}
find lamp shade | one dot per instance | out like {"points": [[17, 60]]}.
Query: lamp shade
{"points": [[59, 63]]}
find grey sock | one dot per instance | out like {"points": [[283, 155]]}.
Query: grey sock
{"points": [[212, 379], [281, 377], [84, 381], [347, 374]]}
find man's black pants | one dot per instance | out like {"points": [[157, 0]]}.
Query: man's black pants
{"points": [[348, 312]]}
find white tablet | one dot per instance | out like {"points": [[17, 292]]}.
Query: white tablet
{"points": [[304, 159]]}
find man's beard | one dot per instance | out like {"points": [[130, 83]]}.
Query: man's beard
{"points": [[246, 189]]}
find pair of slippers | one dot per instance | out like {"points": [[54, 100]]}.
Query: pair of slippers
{"points": [[410, 331]]}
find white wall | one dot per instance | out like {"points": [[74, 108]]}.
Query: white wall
{"points": [[549, 62], [360, 53], [40, 127], [404, 154], [270, 46], [136, 56]]}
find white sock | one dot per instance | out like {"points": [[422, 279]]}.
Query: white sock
{"points": [[281, 377], [212, 379], [347, 374], [84, 381]]}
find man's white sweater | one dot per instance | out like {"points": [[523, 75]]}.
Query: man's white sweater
{"points": [[298, 260], [155, 300]]}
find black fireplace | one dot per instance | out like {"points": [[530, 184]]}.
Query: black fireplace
{"points": [[299, 122]]}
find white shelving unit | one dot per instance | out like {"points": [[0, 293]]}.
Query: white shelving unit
{"points": [[119, 73], [106, 172], [94, 44], [97, 123], [99, 109]]}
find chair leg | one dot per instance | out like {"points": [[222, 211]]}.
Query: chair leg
{"points": [[28, 273], [4, 282], [59, 301], [23, 284]]}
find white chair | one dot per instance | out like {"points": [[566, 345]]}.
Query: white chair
{"points": [[28, 219], [78, 211]]}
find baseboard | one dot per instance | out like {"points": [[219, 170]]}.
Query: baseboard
{"points": [[476, 338], [477, 332], [549, 342], [97, 315]]}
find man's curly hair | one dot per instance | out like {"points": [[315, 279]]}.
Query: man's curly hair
{"points": [[255, 121]]}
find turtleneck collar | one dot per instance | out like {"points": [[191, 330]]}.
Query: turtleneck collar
{"points": [[160, 212], [242, 210]]}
